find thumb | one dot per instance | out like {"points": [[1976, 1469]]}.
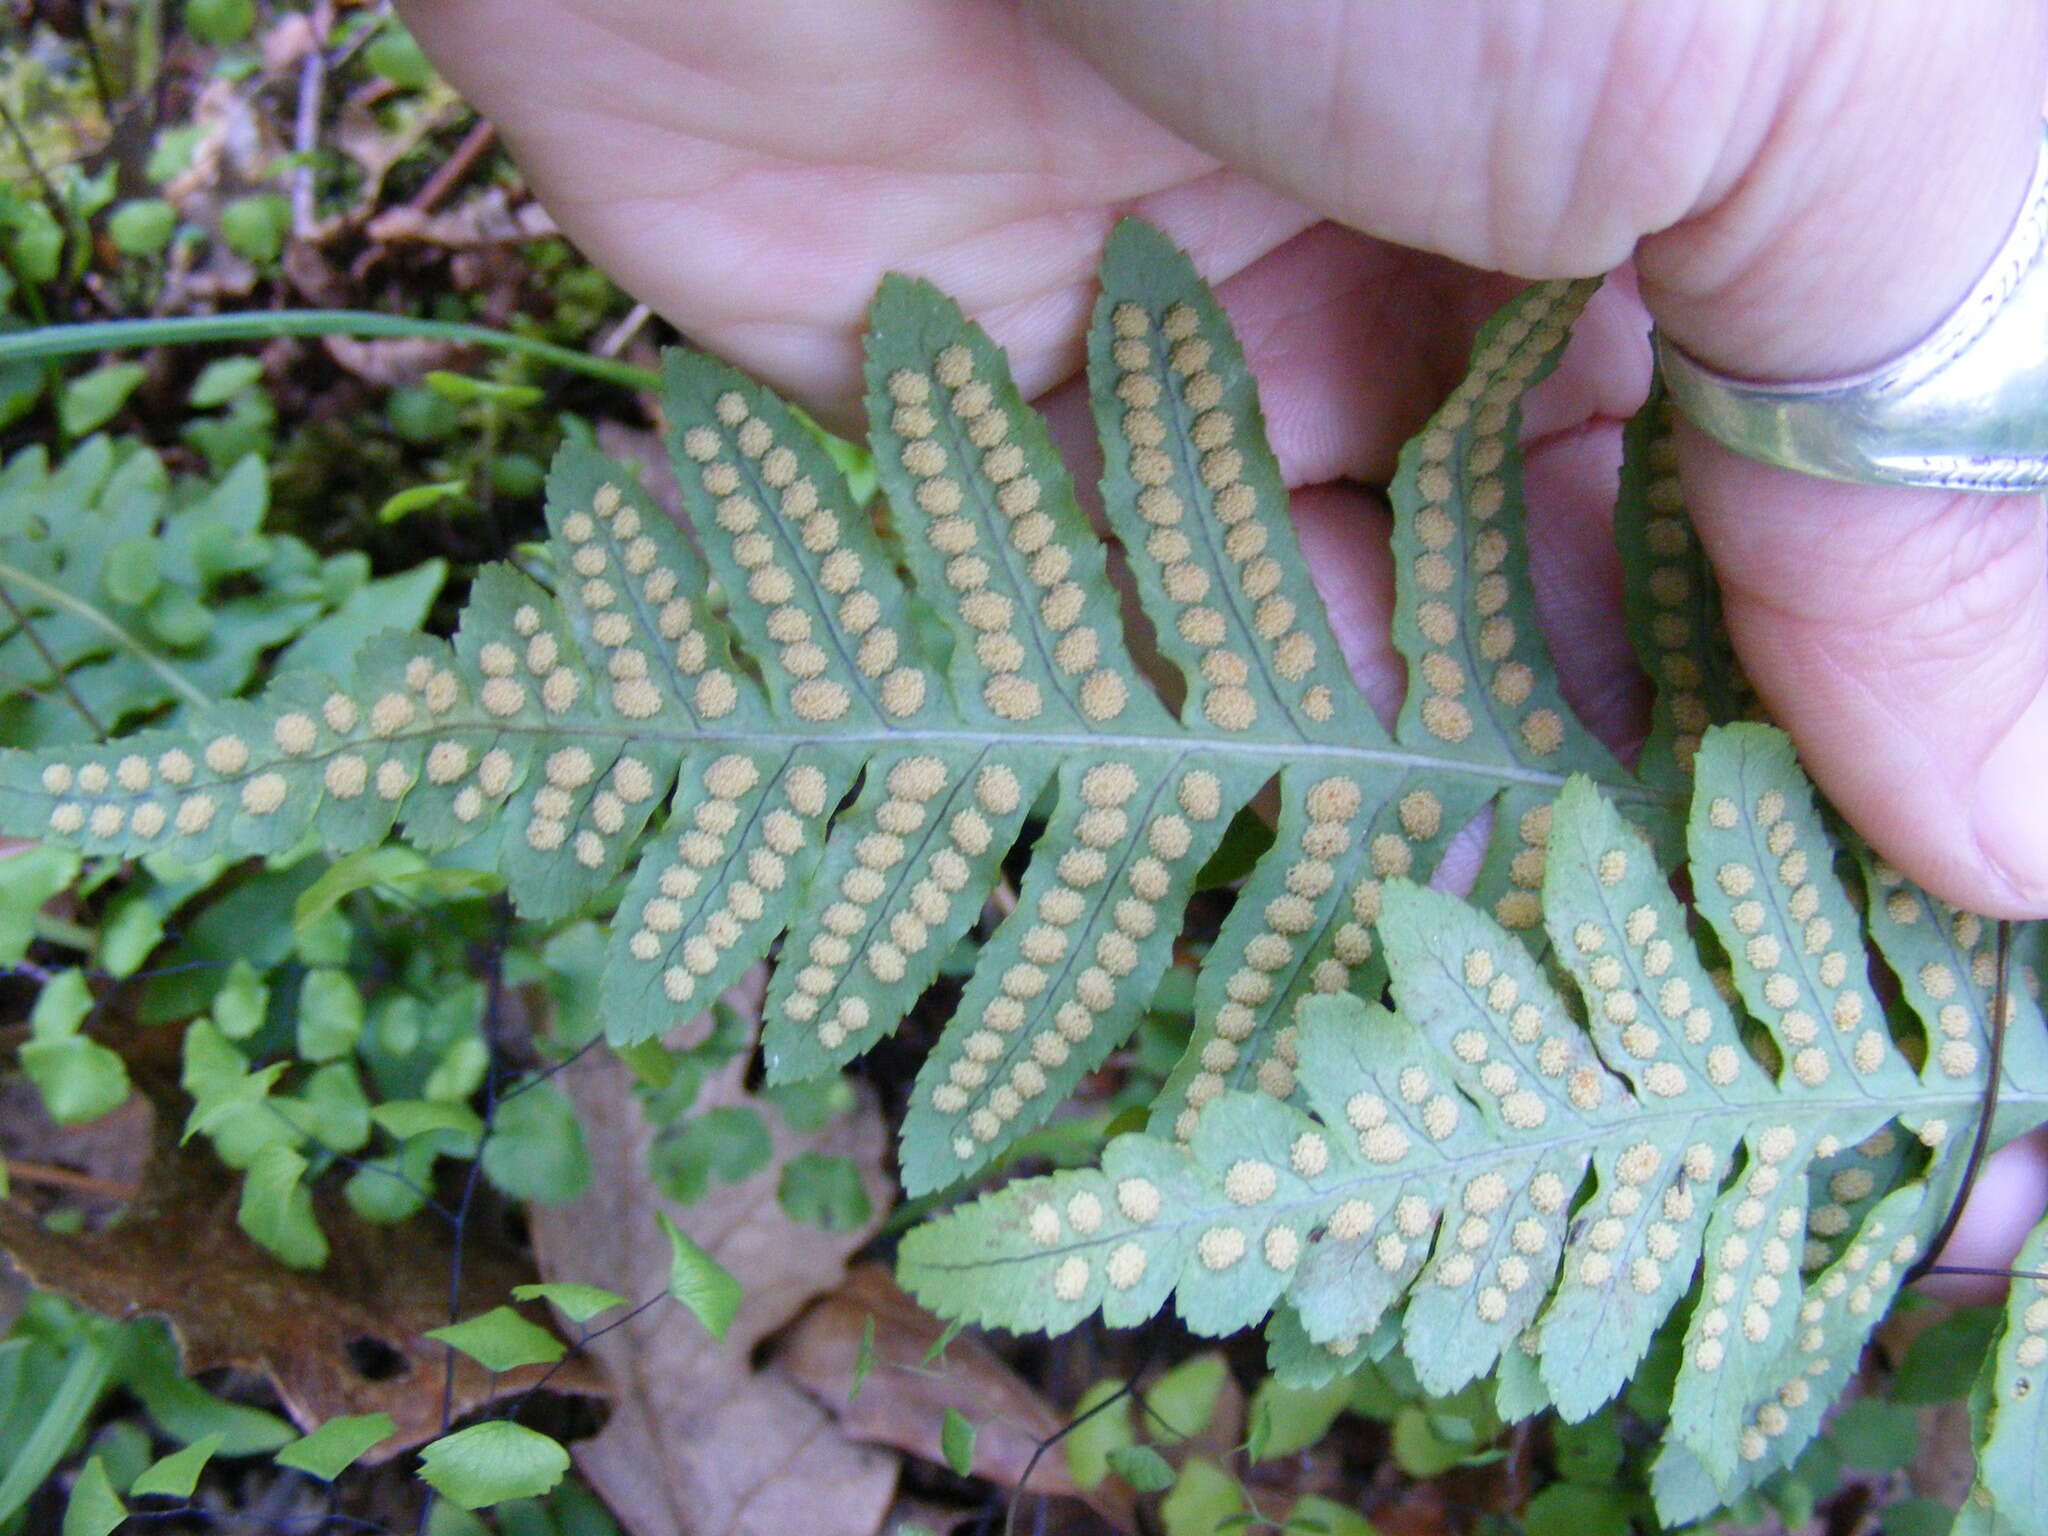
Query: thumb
{"points": [[1901, 636], [1819, 182]]}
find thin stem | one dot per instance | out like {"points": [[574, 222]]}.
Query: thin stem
{"points": [[264, 325], [1980, 1145], [57, 672], [1023, 1482], [172, 678], [1979, 1269]]}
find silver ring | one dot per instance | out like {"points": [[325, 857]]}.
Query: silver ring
{"points": [[1966, 409]]}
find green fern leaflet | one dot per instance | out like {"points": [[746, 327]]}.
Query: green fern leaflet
{"points": [[828, 766], [1499, 1177]]}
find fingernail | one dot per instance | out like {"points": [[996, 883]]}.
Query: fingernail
{"points": [[2012, 811]]}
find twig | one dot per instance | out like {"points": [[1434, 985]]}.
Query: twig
{"points": [[624, 331], [449, 173], [68, 1178], [306, 119], [57, 671], [1981, 1144]]}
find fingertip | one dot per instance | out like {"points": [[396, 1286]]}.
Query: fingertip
{"points": [[2011, 818]]}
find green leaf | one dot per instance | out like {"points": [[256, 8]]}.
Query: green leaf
{"points": [[362, 870], [2010, 1405], [254, 227], [501, 1340], [822, 1190], [132, 572], [1317, 1516], [1139, 1465], [133, 928], [407, 1118], [1589, 1452], [699, 1282], [330, 1014], [79, 1079], [90, 400], [1289, 1419], [28, 878], [464, 390], [1944, 1358], [177, 1474], [579, 1302], [1917, 1517], [956, 1442], [1097, 1431], [1573, 1509], [277, 1209], [393, 54], [242, 1003], [1422, 1449], [222, 379], [863, 1359], [491, 1462], [61, 1006], [220, 22], [1182, 1402], [418, 498], [536, 1151], [1875, 1435], [390, 602], [337, 1444], [142, 226], [93, 1509], [1204, 1500]]}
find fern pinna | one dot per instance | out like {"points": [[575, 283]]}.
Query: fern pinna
{"points": [[842, 759]]}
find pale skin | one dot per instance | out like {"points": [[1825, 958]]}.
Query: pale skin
{"points": [[1795, 189]]}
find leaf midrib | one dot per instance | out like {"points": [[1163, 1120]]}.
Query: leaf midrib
{"points": [[1493, 1150]]}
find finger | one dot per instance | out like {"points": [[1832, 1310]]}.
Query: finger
{"points": [[2010, 1195], [1819, 187], [752, 168]]}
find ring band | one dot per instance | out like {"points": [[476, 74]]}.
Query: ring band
{"points": [[1966, 409]]}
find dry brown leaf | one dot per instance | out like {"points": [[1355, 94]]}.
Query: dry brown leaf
{"points": [[699, 1442], [903, 1402], [348, 1339]]}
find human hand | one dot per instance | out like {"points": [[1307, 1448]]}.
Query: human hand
{"points": [[1804, 189]]}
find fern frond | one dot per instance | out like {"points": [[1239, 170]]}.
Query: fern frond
{"points": [[1503, 1178], [841, 756]]}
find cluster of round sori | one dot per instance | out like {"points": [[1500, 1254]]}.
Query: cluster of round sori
{"points": [[912, 784], [1201, 615], [1461, 456], [1955, 1052], [1031, 1026], [705, 846], [1332, 807], [940, 493], [1862, 1285], [801, 558], [1777, 908], [616, 534], [1674, 595]]}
